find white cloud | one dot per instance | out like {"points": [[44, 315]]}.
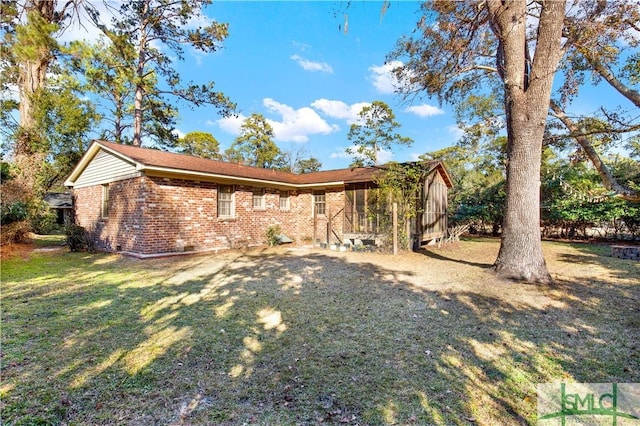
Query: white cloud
{"points": [[300, 46], [296, 124], [384, 156], [10, 92], [341, 153], [197, 55], [382, 77], [179, 133], [425, 110], [456, 132], [339, 109], [198, 20], [229, 124], [312, 66], [415, 156]]}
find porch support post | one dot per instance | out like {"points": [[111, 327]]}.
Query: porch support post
{"points": [[395, 227], [315, 222]]}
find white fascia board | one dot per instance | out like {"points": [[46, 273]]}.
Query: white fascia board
{"points": [[319, 185], [216, 176]]}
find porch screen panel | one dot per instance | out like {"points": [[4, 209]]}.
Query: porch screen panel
{"points": [[349, 209], [377, 208], [361, 210]]}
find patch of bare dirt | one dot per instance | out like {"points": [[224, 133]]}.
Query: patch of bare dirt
{"points": [[466, 267], [13, 250], [31, 243]]}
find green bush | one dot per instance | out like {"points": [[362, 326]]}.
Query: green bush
{"points": [[14, 212], [272, 234], [42, 218], [76, 237]]}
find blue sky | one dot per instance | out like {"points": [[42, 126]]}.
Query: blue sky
{"points": [[294, 63]]}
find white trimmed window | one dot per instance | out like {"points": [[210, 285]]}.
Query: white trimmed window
{"points": [[225, 201], [104, 210], [284, 200], [319, 203], [259, 199]]}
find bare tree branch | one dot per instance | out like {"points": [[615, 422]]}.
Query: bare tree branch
{"points": [[608, 179]]}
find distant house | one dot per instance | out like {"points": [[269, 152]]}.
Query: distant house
{"points": [[147, 202], [62, 204]]}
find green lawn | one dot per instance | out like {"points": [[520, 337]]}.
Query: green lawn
{"points": [[280, 336]]}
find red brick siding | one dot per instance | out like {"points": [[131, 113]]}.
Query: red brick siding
{"points": [[151, 215], [334, 199], [122, 227]]}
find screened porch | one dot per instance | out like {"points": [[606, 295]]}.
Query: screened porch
{"points": [[367, 215]]}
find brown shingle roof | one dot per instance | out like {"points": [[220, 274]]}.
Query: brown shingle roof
{"points": [[166, 161], [152, 158]]}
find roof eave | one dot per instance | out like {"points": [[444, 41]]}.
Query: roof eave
{"points": [[96, 146], [217, 176], [440, 165]]}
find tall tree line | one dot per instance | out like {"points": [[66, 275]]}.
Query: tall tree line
{"points": [[129, 75], [126, 70], [54, 95]]}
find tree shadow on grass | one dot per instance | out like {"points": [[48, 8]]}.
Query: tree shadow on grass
{"points": [[274, 337], [435, 255], [599, 255]]}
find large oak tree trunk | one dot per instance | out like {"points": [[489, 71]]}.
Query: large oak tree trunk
{"points": [[520, 255], [528, 83]]}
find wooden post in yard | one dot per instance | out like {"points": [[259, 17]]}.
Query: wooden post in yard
{"points": [[395, 228], [328, 225], [407, 229]]}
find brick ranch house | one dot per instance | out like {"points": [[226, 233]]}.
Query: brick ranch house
{"points": [[146, 202]]}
